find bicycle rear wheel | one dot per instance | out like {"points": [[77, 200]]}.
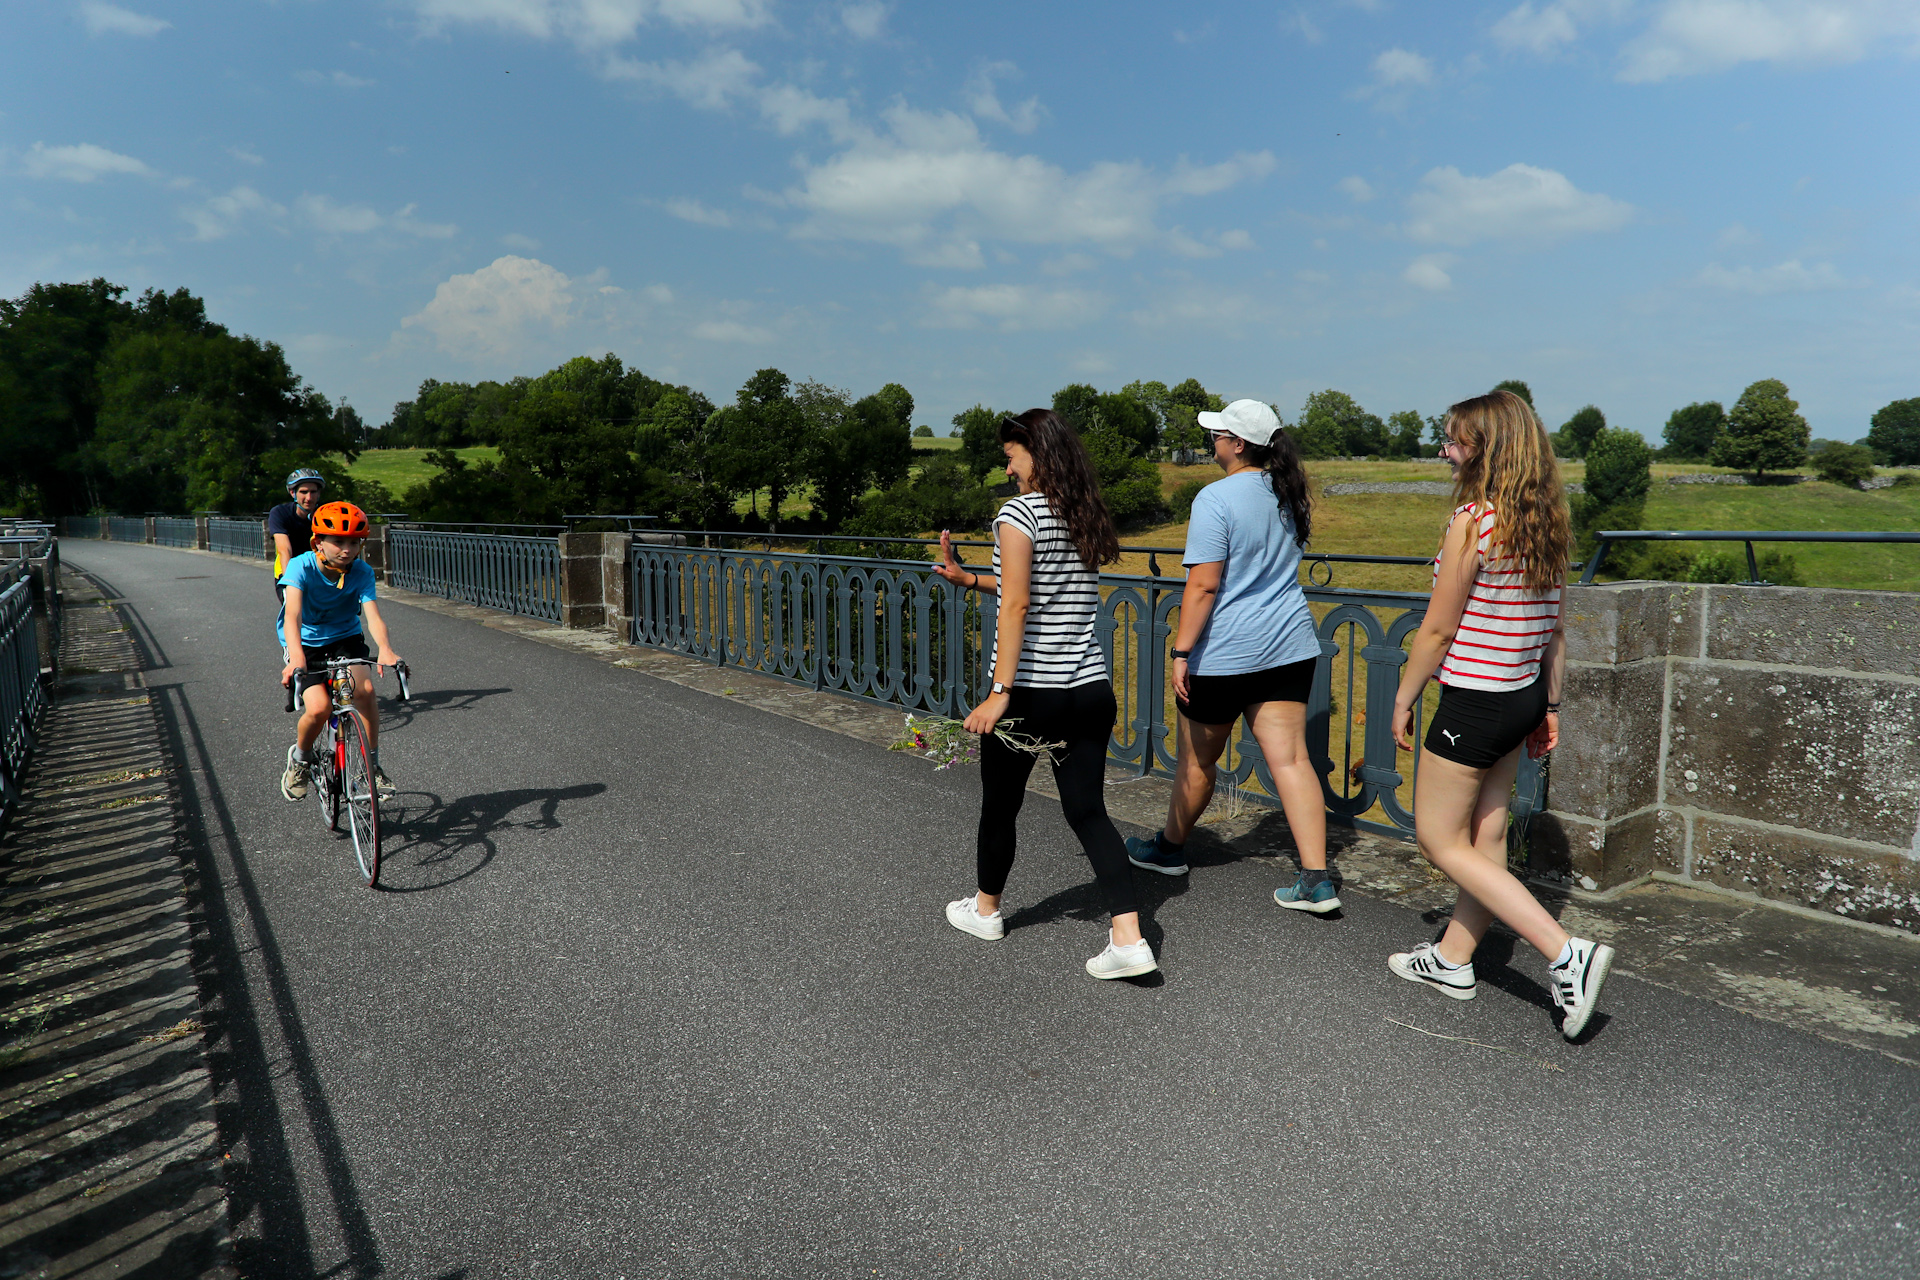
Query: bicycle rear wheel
{"points": [[362, 797]]}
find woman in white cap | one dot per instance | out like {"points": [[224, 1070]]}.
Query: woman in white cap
{"points": [[1247, 645]]}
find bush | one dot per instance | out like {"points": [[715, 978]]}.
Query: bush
{"points": [[923, 433], [1619, 475], [1182, 500], [1665, 562], [1905, 480], [1846, 464]]}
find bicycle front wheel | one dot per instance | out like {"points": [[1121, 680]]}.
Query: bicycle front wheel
{"points": [[362, 797], [326, 774]]}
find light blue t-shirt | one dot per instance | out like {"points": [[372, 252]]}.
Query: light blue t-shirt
{"points": [[1260, 617], [329, 610]]}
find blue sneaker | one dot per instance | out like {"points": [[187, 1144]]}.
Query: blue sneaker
{"points": [[1320, 899], [1149, 856]]}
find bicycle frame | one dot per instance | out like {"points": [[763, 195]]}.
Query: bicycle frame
{"points": [[342, 760]]}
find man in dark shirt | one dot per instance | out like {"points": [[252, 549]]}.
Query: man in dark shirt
{"points": [[291, 523]]}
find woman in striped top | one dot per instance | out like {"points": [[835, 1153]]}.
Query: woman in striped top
{"points": [[1493, 639], [1049, 677]]}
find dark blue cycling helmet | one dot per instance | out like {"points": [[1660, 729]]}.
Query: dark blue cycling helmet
{"points": [[303, 475]]}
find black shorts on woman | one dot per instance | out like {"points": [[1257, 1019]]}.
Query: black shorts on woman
{"points": [[1220, 700], [1480, 727]]}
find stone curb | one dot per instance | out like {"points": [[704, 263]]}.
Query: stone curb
{"points": [[110, 1155]]}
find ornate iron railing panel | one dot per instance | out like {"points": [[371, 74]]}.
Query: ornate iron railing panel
{"points": [[893, 632], [172, 531], [23, 698], [513, 574], [126, 529], [80, 527], [245, 538]]}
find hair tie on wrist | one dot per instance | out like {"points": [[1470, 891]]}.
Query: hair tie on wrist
{"points": [[1553, 706]]}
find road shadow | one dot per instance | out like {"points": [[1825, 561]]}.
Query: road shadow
{"points": [[395, 714], [430, 843]]}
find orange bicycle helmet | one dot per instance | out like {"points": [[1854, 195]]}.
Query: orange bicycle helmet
{"points": [[339, 520]]}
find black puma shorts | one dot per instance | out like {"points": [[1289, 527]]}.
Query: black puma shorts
{"points": [[1477, 728]]}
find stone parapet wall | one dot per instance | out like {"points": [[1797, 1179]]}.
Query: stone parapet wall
{"points": [[1761, 739]]}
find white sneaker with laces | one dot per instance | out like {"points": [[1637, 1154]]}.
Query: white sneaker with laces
{"points": [[1129, 961], [1422, 965], [964, 915], [1576, 984], [294, 782]]}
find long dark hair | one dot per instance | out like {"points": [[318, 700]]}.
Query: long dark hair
{"points": [[1281, 461], [1063, 472]]}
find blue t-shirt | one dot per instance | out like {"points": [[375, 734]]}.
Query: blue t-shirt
{"points": [[1260, 617], [329, 610]]}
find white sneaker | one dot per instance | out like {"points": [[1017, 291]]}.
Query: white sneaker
{"points": [[1422, 965], [1576, 985], [294, 781], [1129, 961], [965, 916]]}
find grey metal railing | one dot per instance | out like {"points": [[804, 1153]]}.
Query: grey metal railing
{"points": [[1607, 537], [237, 537], [893, 632], [80, 526], [172, 531], [126, 529], [516, 574], [23, 698]]}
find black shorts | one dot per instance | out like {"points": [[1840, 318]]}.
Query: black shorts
{"points": [[1478, 728], [1219, 700], [318, 655]]}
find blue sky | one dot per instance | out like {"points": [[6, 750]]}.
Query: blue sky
{"points": [[1635, 203]]}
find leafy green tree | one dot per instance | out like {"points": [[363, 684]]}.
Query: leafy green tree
{"points": [[1895, 433], [52, 338], [1518, 388], [460, 492], [946, 494], [979, 432], [1079, 404], [1691, 431], [763, 442], [1129, 483], [1332, 425], [1765, 431], [1619, 477], [582, 464], [1403, 434], [886, 441], [1844, 464], [923, 432], [854, 446], [1577, 434], [1185, 402]]}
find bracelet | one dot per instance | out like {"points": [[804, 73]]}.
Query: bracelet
{"points": [[1553, 706], [975, 584]]}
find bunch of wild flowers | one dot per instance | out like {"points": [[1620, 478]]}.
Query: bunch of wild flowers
{"points": [[947, 742]]}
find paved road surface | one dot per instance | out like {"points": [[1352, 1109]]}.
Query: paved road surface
{"points": [[661, 989]]}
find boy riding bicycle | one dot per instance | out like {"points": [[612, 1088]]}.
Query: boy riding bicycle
{"points": [[329, 590]]}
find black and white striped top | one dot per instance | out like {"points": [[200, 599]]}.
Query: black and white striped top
{"points": [[1060, 649]]}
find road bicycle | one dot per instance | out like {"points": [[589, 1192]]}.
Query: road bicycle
{"points": [[343, 761]]}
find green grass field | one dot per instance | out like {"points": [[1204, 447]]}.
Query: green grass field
{"points": [[1410, 524]]}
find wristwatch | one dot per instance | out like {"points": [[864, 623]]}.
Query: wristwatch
{"points": [[1000, 688], [1179, 654]]}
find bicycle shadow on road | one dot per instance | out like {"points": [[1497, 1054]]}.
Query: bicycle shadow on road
{"points": [[431, 843]]}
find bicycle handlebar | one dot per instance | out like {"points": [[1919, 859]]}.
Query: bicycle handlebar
{"points": [[400, 670]]}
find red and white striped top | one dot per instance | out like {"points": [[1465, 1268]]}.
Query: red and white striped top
{"points": [[1505, 627]]}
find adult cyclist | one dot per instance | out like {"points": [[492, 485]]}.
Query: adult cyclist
{"points": [[291, 523], [330, 590]]}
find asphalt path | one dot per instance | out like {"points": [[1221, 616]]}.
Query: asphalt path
{"points": [[660, 987]]}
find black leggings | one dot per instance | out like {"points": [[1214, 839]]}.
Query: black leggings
{"points": [[1082, 717]]}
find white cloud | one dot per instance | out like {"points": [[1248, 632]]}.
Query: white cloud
{"points": [[329, 218], [984, 101], [1520, 203], [338, 79], [1736, 236], [658, 293], [246, 155], [732, 331], [695, 212], [111, 19], [1356, 187], [495, 311], [1011, 307], [1690, 37], [1234, 240], [1551, 26], [83, 162], [1397, 67], [710, 81], [932, 188], [1429, 271], [865, 20], [526, 244], [222, 215], [1791, 276], [591, 23]]}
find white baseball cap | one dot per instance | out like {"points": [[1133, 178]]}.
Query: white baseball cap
{"points": [[1251, 420]]}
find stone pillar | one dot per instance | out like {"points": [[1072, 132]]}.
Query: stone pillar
{"points": [[582, 579], [375, 550], [152, 530], [200, 534], [615, 583], [266, 540]]}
